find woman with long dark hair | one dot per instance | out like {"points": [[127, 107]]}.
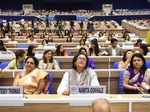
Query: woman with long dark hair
{"points": [[31, 50], [125, 62], [94, 49], [137, 76], [2, 46], [91, 63], [60, 51], [48, 61]]}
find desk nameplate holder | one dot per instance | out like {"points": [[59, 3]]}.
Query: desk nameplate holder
{"points": [[87, 89], [84, 95], [11, 96]]}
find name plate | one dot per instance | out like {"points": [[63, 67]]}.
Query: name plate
{"points": [[4, 55], [11, 90], [87, 89], [11, 96]]}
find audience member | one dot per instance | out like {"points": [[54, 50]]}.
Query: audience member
{"points": [[80, 75], [2, 46], [31, 39], [60, 51], [33, 80], [31, 50], [48, 61], [138, 43], [12, 39], [114, 49], [143, 49], [91, 63], [137, 76], [94, 48], [101, 105], [125, 62], [18, 62]]}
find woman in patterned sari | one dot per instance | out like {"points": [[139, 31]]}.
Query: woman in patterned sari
{"points": [[137, 76], [32, 79]]}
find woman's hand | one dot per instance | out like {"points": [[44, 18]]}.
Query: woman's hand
{"points": [[140, 89], [66, 92], [145, 86]]}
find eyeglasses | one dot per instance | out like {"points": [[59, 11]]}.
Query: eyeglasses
{"points": [[81, 58], [29, 63]]}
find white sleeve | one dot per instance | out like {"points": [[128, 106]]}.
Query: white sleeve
{"points": [[94, 80], [56, 65], [64, 85], [41, 66], [147, 76]]}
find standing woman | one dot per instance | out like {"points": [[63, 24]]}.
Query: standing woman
{"points": [[31, 50], [80, 75], [137, 76], [48, 62], [32, 79]]}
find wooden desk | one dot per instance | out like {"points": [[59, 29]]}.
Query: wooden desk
{"points": [[54, 103]]}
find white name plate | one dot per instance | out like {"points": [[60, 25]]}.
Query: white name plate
{"points": [[11, 96], [4, 55], [87, 89], [11, 90]]}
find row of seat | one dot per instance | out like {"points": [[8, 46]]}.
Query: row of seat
{"points": [[50, 78]]}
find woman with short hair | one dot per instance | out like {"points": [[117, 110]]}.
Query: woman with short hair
{"points": [[80, 75]]}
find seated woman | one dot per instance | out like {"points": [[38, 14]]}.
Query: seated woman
{"points": [[138, 43], [31, 39], [125, 59], [18, 62], [33, 80], [137, 76], [143, 49], [12, 39], [48, 62], [60, 51], [31, 50], [91, 63], [2, 46], [46, 40], [94, 49], [82, 43], [80, 75]]}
